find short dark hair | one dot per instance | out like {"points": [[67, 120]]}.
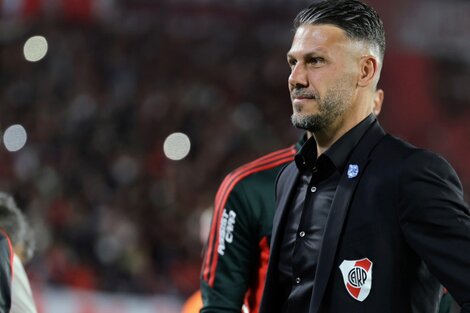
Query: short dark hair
{"points": [[357, 19]]}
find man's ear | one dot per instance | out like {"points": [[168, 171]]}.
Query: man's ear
{"points": [[378, 100], [369, 70]]}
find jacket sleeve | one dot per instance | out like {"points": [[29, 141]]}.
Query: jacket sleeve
{"points": [[230, 251], [436, 221], [23, 300], [6, 272]]}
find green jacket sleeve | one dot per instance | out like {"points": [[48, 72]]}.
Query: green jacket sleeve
{"points": [[237, 250], [230, 254]]}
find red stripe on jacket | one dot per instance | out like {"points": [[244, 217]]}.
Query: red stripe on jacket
{"points": [[263, 163], [10, 248], [255, 292]]}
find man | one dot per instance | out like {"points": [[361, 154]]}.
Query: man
{"points": [[14, 223], [362, 218], [236, 258]]}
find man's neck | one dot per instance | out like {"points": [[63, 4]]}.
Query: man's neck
{"points": [[326, 138]]}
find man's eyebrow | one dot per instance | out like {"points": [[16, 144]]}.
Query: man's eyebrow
{"points": [[318, 53]]}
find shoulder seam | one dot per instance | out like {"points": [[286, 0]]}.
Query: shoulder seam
{"points": [[273, 156]]}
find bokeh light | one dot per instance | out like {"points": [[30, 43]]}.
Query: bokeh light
{"points": [[14, 137], [177, 146], [35, 48]]}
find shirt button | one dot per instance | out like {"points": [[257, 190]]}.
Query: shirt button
{"points": [[313, 189], [302, 234], [297, 280]]}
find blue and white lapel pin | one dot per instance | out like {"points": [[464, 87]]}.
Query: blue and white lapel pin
{"points": [[353, 170]]}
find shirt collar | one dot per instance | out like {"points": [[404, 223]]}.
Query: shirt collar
{"points": [[302, 140], [339, 152], [306, 158]]}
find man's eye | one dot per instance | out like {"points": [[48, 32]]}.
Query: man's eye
{"points": [[292, 63], [315, 60]]}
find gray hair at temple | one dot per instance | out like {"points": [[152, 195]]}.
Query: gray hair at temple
{"points": [[357, 19], [14, 223]]}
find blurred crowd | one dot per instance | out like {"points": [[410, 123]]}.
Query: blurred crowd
{"points": [[109, 210]]}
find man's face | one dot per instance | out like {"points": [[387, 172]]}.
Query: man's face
{"points": [[324, 70]]}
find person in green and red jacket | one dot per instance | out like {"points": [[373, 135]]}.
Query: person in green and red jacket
{"points": [[237, 250]]}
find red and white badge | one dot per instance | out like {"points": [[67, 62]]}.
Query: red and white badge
{"points": [[357, 277]]}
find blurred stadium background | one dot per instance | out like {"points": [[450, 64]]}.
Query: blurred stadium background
{"points": [[116, 220]]}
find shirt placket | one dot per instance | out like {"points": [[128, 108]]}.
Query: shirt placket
{"points": [[298, 270]]}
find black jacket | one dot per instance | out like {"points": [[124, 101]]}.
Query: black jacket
{"points": [[402, 209]]}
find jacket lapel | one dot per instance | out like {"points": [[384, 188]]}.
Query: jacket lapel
{"points": [[287, 183], [339, 209], [269, 302]]}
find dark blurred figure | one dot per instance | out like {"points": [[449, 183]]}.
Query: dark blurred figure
{"points": [[14, 223]]}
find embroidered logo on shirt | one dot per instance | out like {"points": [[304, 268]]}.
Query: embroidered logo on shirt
{"points": [[357, 277], [353, 170], [226, 230]]}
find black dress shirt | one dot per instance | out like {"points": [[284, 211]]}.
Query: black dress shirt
{"points": [[308, 213]]}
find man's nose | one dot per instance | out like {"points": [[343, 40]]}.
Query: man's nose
{"points": [[298, 76]]}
